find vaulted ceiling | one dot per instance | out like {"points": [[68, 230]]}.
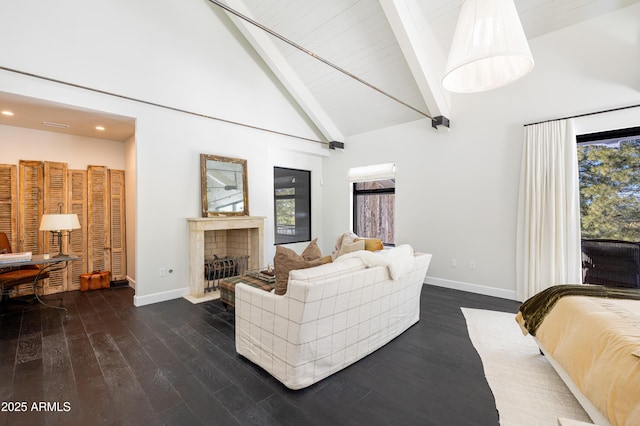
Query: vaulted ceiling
{"points": [[393, 53], [366, 64]]}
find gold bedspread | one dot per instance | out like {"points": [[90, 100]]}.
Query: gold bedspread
{"points": [[597, 342]]}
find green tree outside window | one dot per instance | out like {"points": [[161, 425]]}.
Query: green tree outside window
{"points": [[610, 190]]}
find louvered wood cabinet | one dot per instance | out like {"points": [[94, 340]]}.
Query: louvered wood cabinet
{"points": [[9, 202], [54, 201], [98, 219], [118, 242], [30, 209], [96, 195], [30, 205], [77, 203]]}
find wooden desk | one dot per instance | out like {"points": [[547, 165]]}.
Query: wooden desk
{"points": [[49, 263]]}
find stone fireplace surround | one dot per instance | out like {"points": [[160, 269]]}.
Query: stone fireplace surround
{"points": [[222, 236]]}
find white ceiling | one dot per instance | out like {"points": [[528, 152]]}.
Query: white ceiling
{"points": [[34, 113], [399, 47], [377, 41]]}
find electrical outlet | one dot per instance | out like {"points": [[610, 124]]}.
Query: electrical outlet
{"points": [[472, 264], [163, 272], [454, 263]]}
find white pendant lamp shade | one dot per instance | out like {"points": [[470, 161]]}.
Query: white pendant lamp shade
{"points": [[489, 47]]}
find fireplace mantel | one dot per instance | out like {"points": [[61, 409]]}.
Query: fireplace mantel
{"points": [[197, 228]]}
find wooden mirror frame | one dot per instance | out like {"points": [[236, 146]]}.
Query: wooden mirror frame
{"points": [[205, 189]]}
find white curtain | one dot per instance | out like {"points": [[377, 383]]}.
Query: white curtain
{"points": [[548, 241]]}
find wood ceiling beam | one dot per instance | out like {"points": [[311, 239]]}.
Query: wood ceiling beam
{"points": [[421, 51], [274, 59]]}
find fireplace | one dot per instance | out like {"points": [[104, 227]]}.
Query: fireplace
{"points": [[210, 237]]}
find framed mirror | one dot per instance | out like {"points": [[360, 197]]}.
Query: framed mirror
{"points": [[224, 186]]}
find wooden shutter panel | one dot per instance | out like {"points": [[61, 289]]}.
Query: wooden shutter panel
{"points": [[98, 219], [77, 203], [117, 224], [8, 203], [30, 185], [31, 205], [55, 201]]}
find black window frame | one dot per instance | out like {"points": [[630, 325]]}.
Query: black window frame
{"points": [[302, 197], [602, 138], [358, 192]]}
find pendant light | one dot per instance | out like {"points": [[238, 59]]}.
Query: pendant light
{"points": [[489, 47]]}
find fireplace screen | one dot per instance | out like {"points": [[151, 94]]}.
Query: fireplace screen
{"points": [[219, 268]]}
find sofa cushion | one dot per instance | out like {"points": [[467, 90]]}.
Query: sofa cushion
{"points": [[398, 260], [347, 238], [328, 270], [350, 247], [312, 252], [287, 260], [372, 244]]}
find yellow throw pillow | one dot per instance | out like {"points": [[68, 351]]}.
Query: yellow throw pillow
{"points": [[372, 244]]}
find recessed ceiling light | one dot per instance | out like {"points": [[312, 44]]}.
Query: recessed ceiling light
{"points": [[9, 113], [100, 128]]}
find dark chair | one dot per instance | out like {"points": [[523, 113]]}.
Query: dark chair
{"points": [[611, 262], [11, 277]]}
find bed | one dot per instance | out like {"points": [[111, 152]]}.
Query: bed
{"points": [[591, 336]]}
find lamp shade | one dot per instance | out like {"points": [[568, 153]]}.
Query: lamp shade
{"points": [[489, 47], [59, 222]]}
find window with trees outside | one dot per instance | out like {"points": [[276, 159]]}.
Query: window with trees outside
{"points": [[609, 169], [292, 204], [374, 189]]}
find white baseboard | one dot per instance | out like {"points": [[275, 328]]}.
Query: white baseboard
{"points": [[439, 282], [472, 288], [160, 297], [132, 282]]}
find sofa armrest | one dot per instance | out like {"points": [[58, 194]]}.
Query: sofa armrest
{"points": [[254, 310], [252, 300]]}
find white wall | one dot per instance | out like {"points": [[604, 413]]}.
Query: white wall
{"points": [[186, 55], [457, 192], [295, 159], [78, 152], [131, 211]]}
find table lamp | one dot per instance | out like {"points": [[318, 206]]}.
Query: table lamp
{"points": [[57, 223]]}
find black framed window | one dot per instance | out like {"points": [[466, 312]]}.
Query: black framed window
{"points": [[374, 209], [609, 174], [292, 205]]}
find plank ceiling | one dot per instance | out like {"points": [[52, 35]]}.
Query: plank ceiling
{"points": [[397, 46], [400, 47]]}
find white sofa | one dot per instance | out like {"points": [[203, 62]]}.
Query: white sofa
{"points": [[331, 316]]}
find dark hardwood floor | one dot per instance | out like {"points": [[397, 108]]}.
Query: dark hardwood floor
{"points": [[174, 363]]}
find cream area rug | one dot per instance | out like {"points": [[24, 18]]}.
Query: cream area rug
{"points": [[526, 388]]}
